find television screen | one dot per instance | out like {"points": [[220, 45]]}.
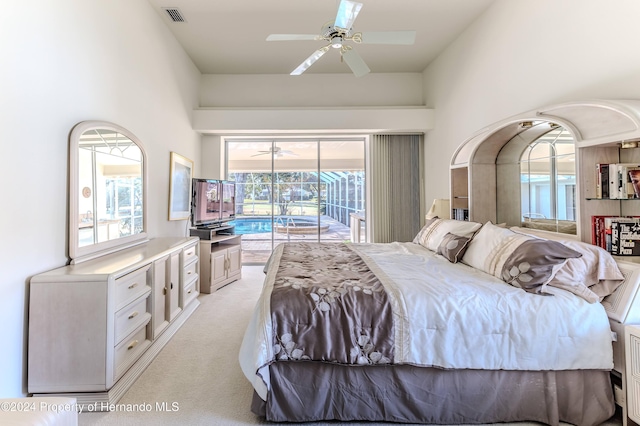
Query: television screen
{"points": [[212, 202], [206, 203]]}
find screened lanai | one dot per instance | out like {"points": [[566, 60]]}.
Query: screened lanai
{"points": [[296, 190]]}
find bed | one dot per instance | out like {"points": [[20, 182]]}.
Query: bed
{"points": [[468, 323]]}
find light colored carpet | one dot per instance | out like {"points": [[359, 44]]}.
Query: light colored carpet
{"points": [[197, 372]]}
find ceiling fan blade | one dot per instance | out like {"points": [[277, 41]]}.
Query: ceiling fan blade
{"points": [[310, 60], [287, 37], [389, 37], [347, 13], [355, 62]]}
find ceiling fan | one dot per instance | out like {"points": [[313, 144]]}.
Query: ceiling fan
{"points": [[277, 152], [340, 31]]}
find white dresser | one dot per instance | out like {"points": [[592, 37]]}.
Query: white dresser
{"points": [[95, 326]]}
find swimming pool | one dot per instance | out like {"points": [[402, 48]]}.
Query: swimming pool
{"points": [[287, 224], [251, 225]]}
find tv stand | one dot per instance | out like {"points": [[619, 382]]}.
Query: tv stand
{"points": [[221, 257], [211, 226], [211, 232]]}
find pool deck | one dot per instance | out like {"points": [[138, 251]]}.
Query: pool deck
{"points": [[256, 248]]}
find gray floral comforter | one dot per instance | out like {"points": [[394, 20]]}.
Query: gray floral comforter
{"points": [[329, 308], [400, 303]]}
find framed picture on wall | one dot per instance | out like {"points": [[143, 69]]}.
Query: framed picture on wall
{"points": [[180, 187]]}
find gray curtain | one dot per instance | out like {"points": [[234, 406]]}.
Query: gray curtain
{"points": [[397, 190]]}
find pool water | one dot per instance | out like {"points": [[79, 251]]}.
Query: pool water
{"points": [[258, 225], [251, 225]]}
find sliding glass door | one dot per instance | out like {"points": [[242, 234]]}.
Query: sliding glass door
{"points": [[292, 189]]}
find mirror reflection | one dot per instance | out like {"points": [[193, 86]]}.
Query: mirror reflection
{"points": [[536, 178], [110, 187], [548, 179]]}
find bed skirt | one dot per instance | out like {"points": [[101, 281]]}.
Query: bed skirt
{"points": [[305, 392]]}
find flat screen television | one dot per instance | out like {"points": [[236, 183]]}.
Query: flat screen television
{"points": [[212, 202]]}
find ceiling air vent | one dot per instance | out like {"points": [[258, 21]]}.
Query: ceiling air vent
{"points": [[174, 14]]}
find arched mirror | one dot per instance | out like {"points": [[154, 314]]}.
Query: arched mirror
{"points": [[107, 190], [548, 180], [537, 168]]}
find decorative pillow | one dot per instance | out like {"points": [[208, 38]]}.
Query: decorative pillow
{"points": [[433, 234], [424, 228], [520, 260], [453, 246], [593, 276]]}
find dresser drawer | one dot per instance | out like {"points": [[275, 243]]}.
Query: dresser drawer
{"points": [[189, 254], [190, 272], [190, 292], [131, 317], [130, 349], [131, 286]]}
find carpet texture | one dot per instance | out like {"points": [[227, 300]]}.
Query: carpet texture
{"points": [[197, 375]]}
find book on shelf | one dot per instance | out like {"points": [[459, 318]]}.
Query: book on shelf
{"points": [[602, 231], [599, 230], [625, 237], [615, 181], [627, 175], [602, 180], [460, 214]]}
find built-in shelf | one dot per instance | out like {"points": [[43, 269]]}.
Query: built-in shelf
{"points": [[612, 199]]}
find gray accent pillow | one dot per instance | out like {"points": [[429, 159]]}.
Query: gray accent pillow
{"points": [[593, 276], [452, 247], [534, 263]]}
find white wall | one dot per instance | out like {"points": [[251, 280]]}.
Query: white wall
{"points": [[63, 62], [265, 104], [525, 54]]}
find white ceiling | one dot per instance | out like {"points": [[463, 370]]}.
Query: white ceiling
{"points": [[228, 36]]}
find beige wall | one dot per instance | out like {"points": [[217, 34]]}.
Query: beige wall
{"points": [[63, 62], [311, 90]]}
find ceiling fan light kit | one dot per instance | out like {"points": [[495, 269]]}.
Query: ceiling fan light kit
{"points": [[339, 32], [276, 152]]}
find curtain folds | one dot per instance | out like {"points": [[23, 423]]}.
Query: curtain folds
{"points": [[397, 189]]}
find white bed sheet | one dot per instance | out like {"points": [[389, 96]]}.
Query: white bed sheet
{"points": [[453, 316]]}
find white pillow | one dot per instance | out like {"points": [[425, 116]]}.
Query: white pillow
{"points": [[426, 226], [520, 260], [432, 235], [490, 238]]}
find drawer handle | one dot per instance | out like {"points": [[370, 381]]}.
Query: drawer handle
{"points": [[133, 314], [189, 273], [132, 345], [134, 285], [189, 292]]}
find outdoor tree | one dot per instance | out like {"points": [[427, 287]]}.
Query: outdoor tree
{"points": [[281, 189], [240, 179]]}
